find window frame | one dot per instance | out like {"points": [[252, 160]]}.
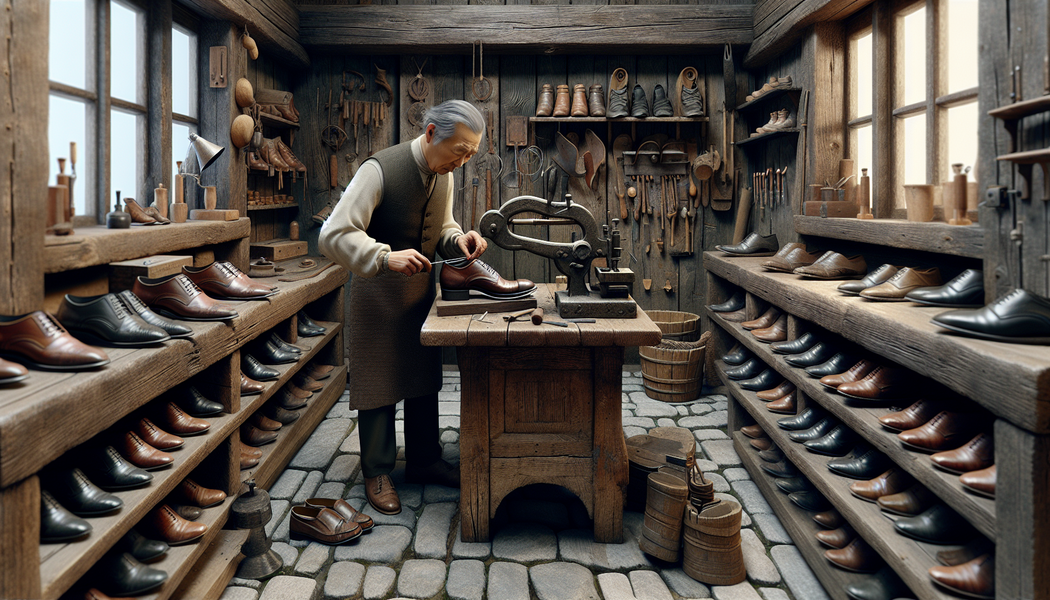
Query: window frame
{"points": [[188, 24]]}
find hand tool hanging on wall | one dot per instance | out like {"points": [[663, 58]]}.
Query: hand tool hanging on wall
{"points": [[621, 143], [382, 82], [517, 136], [474, 204], [367, 118], [480, 87], [800, 152], [729, 85]]}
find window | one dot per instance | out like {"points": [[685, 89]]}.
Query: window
{"points": [[72, 100], [183, 92], [127, 118]]}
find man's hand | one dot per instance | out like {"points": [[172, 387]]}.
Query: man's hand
{"points": [[472, 244], [408, 262]]}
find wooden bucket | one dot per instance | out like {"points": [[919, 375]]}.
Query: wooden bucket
{"points": [[649, 452], [674, 371], [676, 324], [712, 552]]}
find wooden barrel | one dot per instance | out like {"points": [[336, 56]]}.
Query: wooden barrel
{"points": [[712, 552], [673, 371], [676, 324]]}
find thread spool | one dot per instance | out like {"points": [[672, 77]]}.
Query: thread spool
{"points": [[160, 199]]}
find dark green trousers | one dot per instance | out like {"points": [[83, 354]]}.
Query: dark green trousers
{"points": [[378, 442]]}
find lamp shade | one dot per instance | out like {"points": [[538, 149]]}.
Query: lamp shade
{"points": [[206, 151]]}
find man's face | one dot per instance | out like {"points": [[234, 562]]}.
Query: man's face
{"points": [[451, 152]]}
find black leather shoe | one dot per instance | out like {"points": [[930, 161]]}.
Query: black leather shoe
{"points": [[735, 302], [119, 574], [804, 420], [107, 469], [251, 367], [817, 431], [780, 469], [790, 485], [837, 442], [283, 345], [812, 501], [737, 356], [195, 404], [281, 415], [866, 463], [1018, 317], [72, 489], [880, 275], [639, 103], [269, 354], [753, 245], [772, 455], [140, 547], [796, 346], [885, 585], [965, 291], [661, 105], [766, 380], [746, 371], [818, 353], [308, 327], [936, 525], [173, 328], [840, 363], [58, 524], [105, 320]]}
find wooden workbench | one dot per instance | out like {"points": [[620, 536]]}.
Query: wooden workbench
{"points": [[541, 404]]}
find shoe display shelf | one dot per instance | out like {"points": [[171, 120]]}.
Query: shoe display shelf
{"points": [[270, 222], [610, 122], [52, 413], [941, 238], [752, 113], [1011, 381], [1011, 115], [765, 137]]}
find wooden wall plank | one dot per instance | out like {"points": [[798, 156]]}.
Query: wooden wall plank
{"points": [[217, 109], [1022, 550], [828, 127], [783, 24]]}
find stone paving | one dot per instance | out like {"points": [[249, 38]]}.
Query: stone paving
{"points": [[542, 545]]}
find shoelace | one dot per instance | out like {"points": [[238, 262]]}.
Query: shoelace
{"points": [[50, 326], [228, 269], [118, 306], [188, 286]]}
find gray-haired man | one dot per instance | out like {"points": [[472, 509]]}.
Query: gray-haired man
{"points": [[392, 218]]}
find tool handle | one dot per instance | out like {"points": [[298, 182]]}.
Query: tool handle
{"points": [[474, 204], [333, 171], [488, 189], [537, 316], [73, 154], [624, 213]]}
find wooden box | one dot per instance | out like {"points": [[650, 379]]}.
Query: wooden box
{"points": [[122, 274], [281, 249], [837, 208]]}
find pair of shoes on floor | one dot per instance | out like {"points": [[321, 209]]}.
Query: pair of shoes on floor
{"points": [[328, 521]]}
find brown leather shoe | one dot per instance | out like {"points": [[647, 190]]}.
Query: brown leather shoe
{"points": [[222, 280], [829, 519], [11, 372], [297, 391], [915, 415], [94, 594], [882, 383], [910, 502], [945, 431], [753, 431], [438, 472], [307, 383], [790, 257], [288, 401], [137, 214], [762, 443], [175, 420], [253, 436], [596, 100], [168, 526], [977, 454], [319, 371], [178, 297], [579, 101], [777, 332], [141, 454], [780, 391], [157, 437], [248, 460], [190, 513], [251, 387], [856, 373], [833, 265], [836, 538], [288, 156], [40, 341], [545, 105], [343, 508], [891, 482], [263, 422], [382, 495], [257, 164], [766, 320], [981, 482], [561, 101], [904, 281], [460, 277], [973, 579], [788, 405], [198, 495], [322, 525], [274, 411], [857, 556]]}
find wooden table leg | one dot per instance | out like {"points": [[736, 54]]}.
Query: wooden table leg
{"points": [[610, 458], [473, 444]]}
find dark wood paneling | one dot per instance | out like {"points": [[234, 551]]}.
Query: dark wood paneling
{"points": [[780, 23], [217, 109], [273, 24]]}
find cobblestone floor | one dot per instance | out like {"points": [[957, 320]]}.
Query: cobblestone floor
{"points": [[542, 545]]}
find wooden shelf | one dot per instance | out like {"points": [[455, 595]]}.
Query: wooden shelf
{"points": [[218, 565], [941, 238], [255, 207], [774, 93], [40, 419], [1010, 380], [275, 121], [91, 246], [767, 136], [798, 523], [1019, 110], [910, 559], [1027, 157], [864, 421], [618, 120], [61, 565]]}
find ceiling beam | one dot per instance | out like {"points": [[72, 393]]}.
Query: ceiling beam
{"points": [[780, 23], [274, 24]]}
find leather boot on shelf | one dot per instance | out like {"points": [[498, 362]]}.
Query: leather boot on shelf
{"points": [[661, 105], [257, 164], [579, 101], [665, 500], [639, 103], [561, 102], [545, 106], [596, 100], [692, 102], [785, 119], [288, 157], [772, 121], [272, 156], [617, 104]]}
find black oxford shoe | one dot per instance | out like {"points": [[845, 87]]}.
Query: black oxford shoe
{"points": [[308, 327], [817, 354], [105, 320], [140, 547], [753, 245], [269, 354], [119, 574], [195, 404], [283, 345], [74, 491], [780, 469], [772, 455], [132, 303], [812, 501], [1018, 317], [818, 430], [796, 346], [251, 367], [107, 469], [837, 442], [747, 370], [737, 356], [885, 585], [840, 363], [735, 302], [804, 420], [866, 463], [936, 525], [766, 380], [790, 485], [58, 524], [965, 291]]}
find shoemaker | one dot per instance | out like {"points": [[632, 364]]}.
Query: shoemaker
{"points": [[391, 219]]}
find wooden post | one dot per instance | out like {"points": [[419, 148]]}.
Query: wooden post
{"points": [[473, 446], [883, 165], [610, 456], [829, 103], [1022, 549], [20, 537]]}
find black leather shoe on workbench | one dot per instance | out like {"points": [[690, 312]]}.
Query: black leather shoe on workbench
{"points": [[753, 245], [965, 291], [735, 302], [119, 574], [73, 490], [104, 319], [1019, 317], [58, 524], [107, 469]]}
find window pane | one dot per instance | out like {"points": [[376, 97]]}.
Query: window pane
{"points": [[180, 144], [913, 27], [125, 155], [68, 53], [962, 136], [183, 72], [67, 123], [127, 33], [962, 45], [864, 76], [863, 150], [914, 144]]}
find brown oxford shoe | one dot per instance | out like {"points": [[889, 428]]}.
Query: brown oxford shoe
{"points": [[891, 482], [882, 383], [753, 431], [307, 383], [857, 556], [297, 391], [905, 280], [945, 431], [763, 443], [169, 527], [780, 391], [175, 420], [141, 454], [777, 332], [910, 502], [832, 265], [178, 297], [829, 519], [343, 508], [254, 436], [836, 538], [767, 319], [790, 257], [263, 422], [459, 277], [222, 280], [157, 437], [382, 495], [981, 482], [973, 579], [40, 341], [855, 373], [248, 460], [915, 415], [198, 495], [288, 401], [11, 372], [322, 525], [788, 405], [251, 387], [977, 454], [319, 371]]}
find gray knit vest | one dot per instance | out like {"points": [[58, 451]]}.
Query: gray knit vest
{"points": [[398, 220]]}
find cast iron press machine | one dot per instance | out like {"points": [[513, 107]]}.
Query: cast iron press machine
{"points": [[613, 299]]}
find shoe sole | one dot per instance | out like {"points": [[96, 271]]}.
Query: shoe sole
{"points": [[462, 295], [18, 358], [381, 511], [943, 304], [305, 537], [992, 337], [90, 337], [754, 254], [14, 379], [167, 313], [978, 492]]}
